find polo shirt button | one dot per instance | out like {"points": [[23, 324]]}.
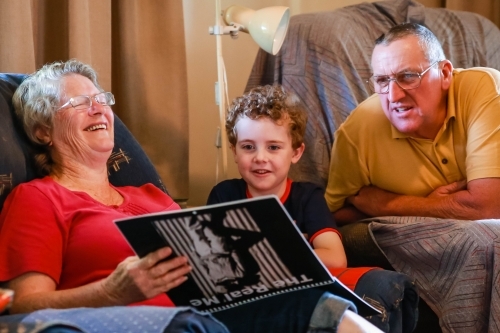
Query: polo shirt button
{"points": [[444, 161]]}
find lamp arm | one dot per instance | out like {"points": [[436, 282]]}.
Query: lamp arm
{"points": [[221, 92]]}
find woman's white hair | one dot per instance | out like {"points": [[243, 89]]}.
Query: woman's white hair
{"points": [[38, 97]]}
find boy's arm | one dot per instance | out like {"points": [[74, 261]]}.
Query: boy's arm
{"points": [[330, 250]]}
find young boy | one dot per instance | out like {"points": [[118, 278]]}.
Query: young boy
{"points": [[266, 129]]}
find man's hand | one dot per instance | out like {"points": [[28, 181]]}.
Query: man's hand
{"points": [[448, 189], [348, 214]]}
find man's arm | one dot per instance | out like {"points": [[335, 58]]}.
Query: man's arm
{"points": [[480, 199], [348, 214]]}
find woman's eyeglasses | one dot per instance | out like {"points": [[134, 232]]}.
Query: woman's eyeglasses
{"points": [[85, 102]]}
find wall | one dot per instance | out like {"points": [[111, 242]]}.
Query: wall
{"points": [[238, 55]]}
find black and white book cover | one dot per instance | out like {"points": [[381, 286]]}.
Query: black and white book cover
{"points": [[240, 251]]}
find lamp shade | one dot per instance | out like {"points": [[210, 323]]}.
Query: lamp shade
{"points": [[267, 26]]}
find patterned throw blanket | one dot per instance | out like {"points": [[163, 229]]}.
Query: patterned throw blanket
{"points": [[456, 265]]}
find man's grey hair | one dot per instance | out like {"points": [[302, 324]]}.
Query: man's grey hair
{"points": [[428, 41]]}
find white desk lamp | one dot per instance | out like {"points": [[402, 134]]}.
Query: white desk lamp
{"points": [[268, 27]]}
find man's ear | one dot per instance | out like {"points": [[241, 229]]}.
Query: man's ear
{"points": [[43, 135], [446, 69], [297, 153]]}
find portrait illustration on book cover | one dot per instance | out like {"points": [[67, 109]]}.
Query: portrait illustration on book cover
{"points": [[240, 252], [229, 252]]}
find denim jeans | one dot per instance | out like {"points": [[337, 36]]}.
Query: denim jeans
{"points": [[192, 322], [309, 310], [288, 313], [395, 295], [328, 313]]}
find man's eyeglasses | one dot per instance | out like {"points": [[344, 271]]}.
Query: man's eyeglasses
{"points": [[85, 102], [405, 80]]}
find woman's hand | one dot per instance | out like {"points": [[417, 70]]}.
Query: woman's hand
{"points": [[132, 281], [137, 279]]}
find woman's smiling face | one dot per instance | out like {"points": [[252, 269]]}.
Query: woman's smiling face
{"points": [[85, 135]]}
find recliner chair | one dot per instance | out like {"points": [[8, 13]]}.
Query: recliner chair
{"points": [[128, 165]]}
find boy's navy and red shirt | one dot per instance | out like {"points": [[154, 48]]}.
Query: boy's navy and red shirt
{"points": [[304, 202]]}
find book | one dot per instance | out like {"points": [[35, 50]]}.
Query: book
{"points": [[240, 251]]}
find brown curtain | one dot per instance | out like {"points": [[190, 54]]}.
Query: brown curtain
{"points": [[137, 48], [487, 8]]}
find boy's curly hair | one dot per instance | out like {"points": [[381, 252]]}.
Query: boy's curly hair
{"points": [[272, 102]]}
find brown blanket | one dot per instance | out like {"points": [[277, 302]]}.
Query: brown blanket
{"points": [[456, 265]]}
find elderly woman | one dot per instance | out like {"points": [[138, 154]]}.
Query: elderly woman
{"points": [[57, 239]]}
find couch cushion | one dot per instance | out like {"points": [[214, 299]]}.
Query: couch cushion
{"points": [[14, 148]]}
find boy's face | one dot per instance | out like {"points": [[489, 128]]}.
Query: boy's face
{"points": [[264, 154]]}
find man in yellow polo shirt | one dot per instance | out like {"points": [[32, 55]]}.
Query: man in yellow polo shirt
{"points": [[426, 144]]}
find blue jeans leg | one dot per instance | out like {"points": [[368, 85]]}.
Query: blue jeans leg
{"points": [[395, 295], [328, 313], [192, 322], [288, 313]]}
